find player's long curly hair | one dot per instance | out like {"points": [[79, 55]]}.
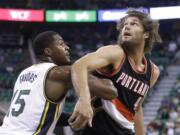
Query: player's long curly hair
{"points": [[150, 26]]}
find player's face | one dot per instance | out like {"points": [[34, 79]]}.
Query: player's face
{"points": [[60, 51], [132, 32]]}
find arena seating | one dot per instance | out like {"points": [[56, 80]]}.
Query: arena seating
{"points": [[168, 119], [12, 61]]}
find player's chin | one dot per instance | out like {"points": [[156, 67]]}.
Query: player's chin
{"points": [[68, 60], [125, 42]]}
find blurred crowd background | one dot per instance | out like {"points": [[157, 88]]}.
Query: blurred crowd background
{"points": [[162, 106], [85, 4]]}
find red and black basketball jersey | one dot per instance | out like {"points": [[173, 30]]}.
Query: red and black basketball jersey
{"points": [[132, 86]]}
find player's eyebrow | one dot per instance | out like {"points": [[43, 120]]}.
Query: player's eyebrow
{"points": [[136, 20]]}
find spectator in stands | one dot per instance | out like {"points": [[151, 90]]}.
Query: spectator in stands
{"points": [[172, 47], [177, 126], [170, 127], [173, 114], [152, 129]]}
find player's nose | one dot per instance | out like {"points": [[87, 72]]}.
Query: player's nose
{"points": [[127, 27]]}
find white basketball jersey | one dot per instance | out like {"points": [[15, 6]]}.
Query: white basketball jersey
{"points": [[30, 112]]}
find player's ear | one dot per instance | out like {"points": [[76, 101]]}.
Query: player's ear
{"points": [[47, 51], [146, 35]]}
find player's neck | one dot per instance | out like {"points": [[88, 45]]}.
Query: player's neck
{"points": [[42, 59], [137, 56]]}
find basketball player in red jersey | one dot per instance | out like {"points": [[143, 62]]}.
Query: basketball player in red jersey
{"points": [[131, 72]]}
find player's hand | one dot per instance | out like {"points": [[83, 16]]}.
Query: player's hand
{"points": [[82, 114]]}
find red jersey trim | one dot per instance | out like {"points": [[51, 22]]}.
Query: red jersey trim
{"points": [[123, 110]]}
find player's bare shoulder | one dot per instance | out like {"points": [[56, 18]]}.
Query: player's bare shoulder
{"points": [[115, 50], [155, 74], [59, 73], [156, 71]]}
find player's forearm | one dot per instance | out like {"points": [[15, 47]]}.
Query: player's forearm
{"points": [[79, 75], [103, 88], [139, 122]]}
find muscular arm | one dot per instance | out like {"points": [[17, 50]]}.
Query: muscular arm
{"points": [[101, 58], [138, 118], [103, 88], [59, 81], [139, 122]]}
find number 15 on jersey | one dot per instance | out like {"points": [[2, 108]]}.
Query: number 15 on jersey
{"points": [[18, 102]]}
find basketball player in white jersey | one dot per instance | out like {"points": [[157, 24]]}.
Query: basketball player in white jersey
{"points": [[39, 91]]}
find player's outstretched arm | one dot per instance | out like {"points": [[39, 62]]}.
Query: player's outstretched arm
{"points": [[59, 81]]}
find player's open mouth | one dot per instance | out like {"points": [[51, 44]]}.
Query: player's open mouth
{"points": [[126, 34]]}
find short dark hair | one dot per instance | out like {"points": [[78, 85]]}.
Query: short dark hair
{"points": [[42, 41], [150, 26]]}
